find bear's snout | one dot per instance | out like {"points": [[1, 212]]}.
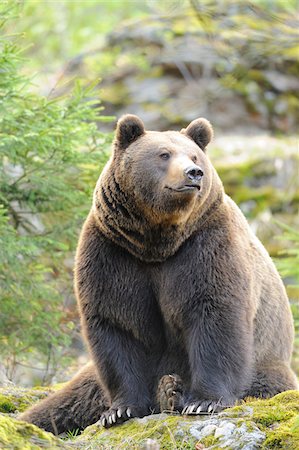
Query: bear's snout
{"points": [[193, 173]]}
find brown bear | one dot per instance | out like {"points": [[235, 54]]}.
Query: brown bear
{"points": [[170, 280]]}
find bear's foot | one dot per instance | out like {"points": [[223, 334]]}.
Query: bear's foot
{"points": [[204, 407], [117, 415], [170, 393]]}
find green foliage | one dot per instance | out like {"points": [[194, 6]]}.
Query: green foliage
{"points": [[49, 148], [72, 434], [288, 265]]}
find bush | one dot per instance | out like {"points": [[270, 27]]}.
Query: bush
{"points": [[49, 149]]}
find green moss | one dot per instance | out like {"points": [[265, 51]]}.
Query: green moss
{"points": [[17, 435], [6, 405], [167, 430], [285, 436], [18, 399], [209, 441], [278, 417]]}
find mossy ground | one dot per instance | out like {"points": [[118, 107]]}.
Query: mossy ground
{"points": [[17, 435], [14, 399], [278, 418], [167, 430]]}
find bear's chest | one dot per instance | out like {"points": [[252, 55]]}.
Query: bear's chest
{"points": [[180, 284]]}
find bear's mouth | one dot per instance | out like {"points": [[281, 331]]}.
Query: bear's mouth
{"points": [[185, 188]]}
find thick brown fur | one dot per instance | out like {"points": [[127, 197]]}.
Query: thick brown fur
{"points": [[170, 280]]}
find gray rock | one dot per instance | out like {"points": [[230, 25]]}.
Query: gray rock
{"points": [[208, 430], [281, 82], [224, 430], [229, 433]]}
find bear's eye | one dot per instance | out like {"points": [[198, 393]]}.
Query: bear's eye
{"points": [[194, 159], [164, 156]]}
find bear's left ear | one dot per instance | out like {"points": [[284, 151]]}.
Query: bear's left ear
{"points": [[201, 131], [129, 128]]}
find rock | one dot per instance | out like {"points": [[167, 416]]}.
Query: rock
{"points": [[228, 433], [211, 70], [272, 423], [260, 173], [281, 82], [224, 429], [207, 430]]}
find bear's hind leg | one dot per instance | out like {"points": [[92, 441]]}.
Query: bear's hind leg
{"points": [[271, 379], [77, 405]]}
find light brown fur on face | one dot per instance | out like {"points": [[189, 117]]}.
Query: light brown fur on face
{"points": [[180, 303], [154, 209], [146, 158]]}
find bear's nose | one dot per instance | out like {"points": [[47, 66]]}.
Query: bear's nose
{"points": [[194, 173]]}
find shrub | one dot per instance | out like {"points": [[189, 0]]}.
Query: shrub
{"points": [[50, 148]]}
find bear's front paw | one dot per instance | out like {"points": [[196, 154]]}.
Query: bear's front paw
{"points": [[170, 393], [204, 407], [117, 415]]}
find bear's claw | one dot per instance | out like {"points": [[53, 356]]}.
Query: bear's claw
{"points": [[116, 416], [203, 407]]}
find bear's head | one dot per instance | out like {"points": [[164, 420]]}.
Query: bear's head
{"points": [[156, 187], [166, 172]]}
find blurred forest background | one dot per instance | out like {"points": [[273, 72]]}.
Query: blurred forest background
{"points": [[68, 69]]}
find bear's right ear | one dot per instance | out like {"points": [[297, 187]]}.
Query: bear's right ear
{"points": [[129, 128], [201, 131]]}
